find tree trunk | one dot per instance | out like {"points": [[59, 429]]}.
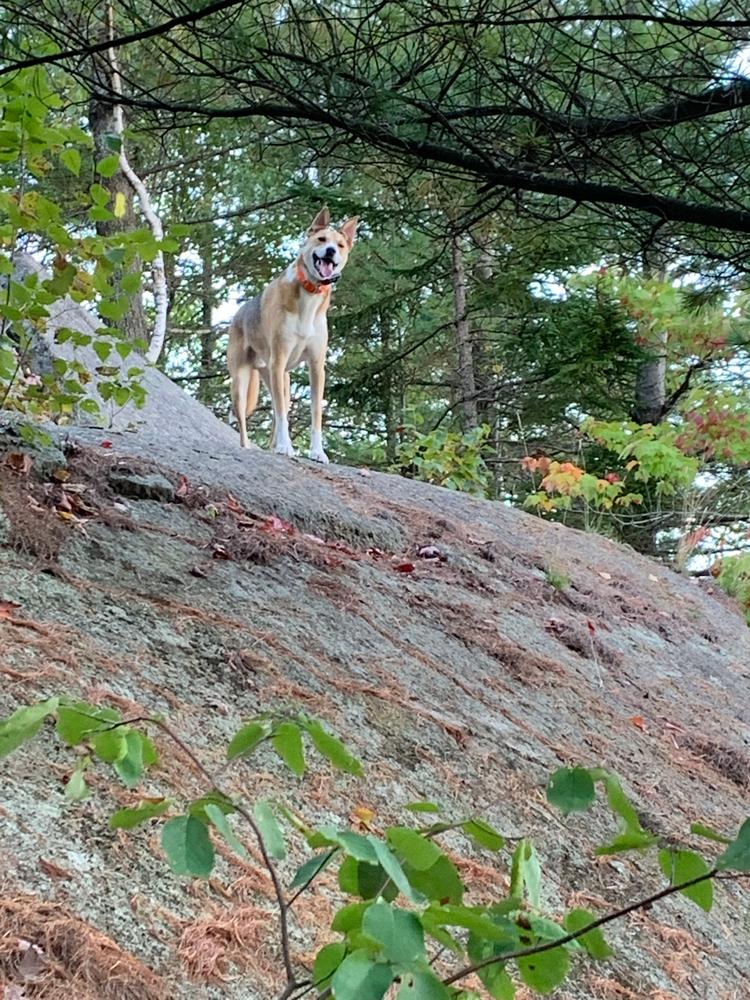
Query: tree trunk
{"points": [[102, 122], [650, 384], [466, 385], [482, 375], [208, 334], [387, 390]]}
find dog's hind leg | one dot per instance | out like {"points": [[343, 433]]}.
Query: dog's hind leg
{"points": [[242, 381], [278, 379], [252, 391]]}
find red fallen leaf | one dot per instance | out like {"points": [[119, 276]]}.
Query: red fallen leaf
{"points": [[106, 444], [234, 505], [638, 722], [591, 626], [7, 608], [182, 487], [404, 567], [19, 462], [53, 870]]}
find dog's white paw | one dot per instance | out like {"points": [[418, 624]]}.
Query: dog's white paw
{"points": [[318, 455], [284, 448]]}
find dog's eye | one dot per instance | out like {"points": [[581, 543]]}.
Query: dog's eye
{"points": [[321, 239], [341, 246]]}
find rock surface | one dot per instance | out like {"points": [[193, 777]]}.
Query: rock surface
{"points": [[464, 677]]}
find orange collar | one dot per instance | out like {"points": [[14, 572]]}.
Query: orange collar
{"points": [[308, 285]]}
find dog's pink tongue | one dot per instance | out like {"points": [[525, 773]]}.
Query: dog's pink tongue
{"points": [[326, 268]]}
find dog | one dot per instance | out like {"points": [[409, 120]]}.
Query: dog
{"points": [[284, 326]]}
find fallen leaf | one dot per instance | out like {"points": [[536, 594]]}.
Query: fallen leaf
{"points": [[219, 552], [7, 608], [638, 722], [60, 475], [363, 815], [33, 964], [591, 626], [53, 870], [366, 473], [106, 444], [404, 567], [19, 462], [654, 579], [65, 515], [605, 576], [182, 487]]}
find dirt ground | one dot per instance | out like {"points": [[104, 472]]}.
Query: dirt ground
{"points": [[266, 583]]}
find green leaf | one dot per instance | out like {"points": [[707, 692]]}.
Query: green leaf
{"points": [[102, 349], [23, 724], [332, 748], [126, 819], [571, 789], [221, 823], [197, 807], [706, 831], [545, 971], [498, 930], [630, 840], [592, 941], [359, 978], [76, 788], [417, 850], [620, 803], [349, 917], [131, 765], [312, 867], [395, 872], [483, 834], [130, 283], [737, 855], [681, 866], [441, 882], [99, 194], [71, 160], [327, 962], [247, 739], [359, 878], [525, 873], [179, 229], [423, 807], [77, 720], [498, 982], [422, 985], [287, 742], [108, 166], [355, 845], [187, 846], [269, 829], [398, 932], [110, 745]]}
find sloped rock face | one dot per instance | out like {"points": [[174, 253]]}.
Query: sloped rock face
{"points": [[464, 678]]}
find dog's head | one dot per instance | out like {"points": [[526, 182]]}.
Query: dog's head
{"points": [[326, 250]]}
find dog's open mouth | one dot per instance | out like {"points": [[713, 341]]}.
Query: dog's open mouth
{"points": [[324, 267]]}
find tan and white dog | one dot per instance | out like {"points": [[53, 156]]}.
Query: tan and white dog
{"points": [[284, 326]]}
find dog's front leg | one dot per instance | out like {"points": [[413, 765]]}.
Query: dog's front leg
{"points": [[281, 443], [317, 369]]}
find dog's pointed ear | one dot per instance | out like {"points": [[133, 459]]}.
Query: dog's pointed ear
{"points": [[321, 220], [349, 229]]}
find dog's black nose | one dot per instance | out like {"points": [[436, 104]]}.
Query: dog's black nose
{"points": [[330, 252]]}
